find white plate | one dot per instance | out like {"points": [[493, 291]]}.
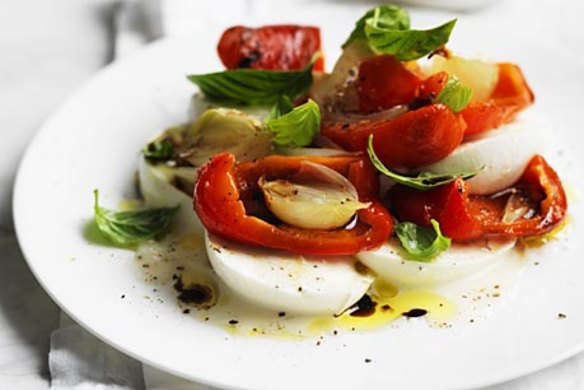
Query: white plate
{"points": [[94, 142]]}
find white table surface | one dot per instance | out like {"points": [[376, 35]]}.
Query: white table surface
{"points": [[50, 48]]}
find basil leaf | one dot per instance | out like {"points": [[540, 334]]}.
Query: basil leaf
{"points": [[424, 181], [455, 95], [283, 106], [406, 45], [422, 243], [130, 227], [252, 86], [387, 16], [159, 150], [298, 127]]}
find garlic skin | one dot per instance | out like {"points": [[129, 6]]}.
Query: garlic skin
{"points": [[315, 198]]}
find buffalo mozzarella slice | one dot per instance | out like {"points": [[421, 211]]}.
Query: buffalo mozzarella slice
{"points": [[287, 282], [460, 261]]}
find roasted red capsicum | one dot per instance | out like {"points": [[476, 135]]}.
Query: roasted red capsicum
{"points": [[281, 47], [226, 192], [413, 139], [385, 82], [537, 203], [511, 95]]}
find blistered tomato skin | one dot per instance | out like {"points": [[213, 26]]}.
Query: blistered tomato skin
{"points": [[414, 139], [280, 47]]}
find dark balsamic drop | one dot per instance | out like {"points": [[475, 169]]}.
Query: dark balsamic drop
{"points": [[196, 294], [364, 307], [415, 313]]}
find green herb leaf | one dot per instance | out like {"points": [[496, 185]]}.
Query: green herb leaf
{"points": [[388, 16], [159, 150], [298, 127], [406, 45], [283, 106], [424, 181], [455, 95], [422, 243], [130, 227], [254, 87]]}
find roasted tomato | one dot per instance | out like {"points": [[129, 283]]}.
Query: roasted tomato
{"points": [[281, 47], [533, 206]]}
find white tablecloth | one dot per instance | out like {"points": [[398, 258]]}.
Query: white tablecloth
{"points": [[50, 48]]}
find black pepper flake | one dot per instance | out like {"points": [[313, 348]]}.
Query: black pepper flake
{"points": [[561, 316], [186, 311], [282, 314], [367, 360], [145, 265], [180, 268], [335, 332], [233, 322], [123, 296], [300, 289]]}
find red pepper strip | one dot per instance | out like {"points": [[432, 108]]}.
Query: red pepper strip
{"points": [[511, 95], [466, 217], [413, 139], [223, 190], [384, 82], [281, 47]]}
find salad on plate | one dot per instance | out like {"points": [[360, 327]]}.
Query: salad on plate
{"points": [[407, 182]]}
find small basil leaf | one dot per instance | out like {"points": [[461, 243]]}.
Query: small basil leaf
{"points": [[406, 45], [159, 150], [424, 181], [387, 16], [252, 86], [282, 106], [298, 127], [422, 243], [130, 227], [455, 95]]}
